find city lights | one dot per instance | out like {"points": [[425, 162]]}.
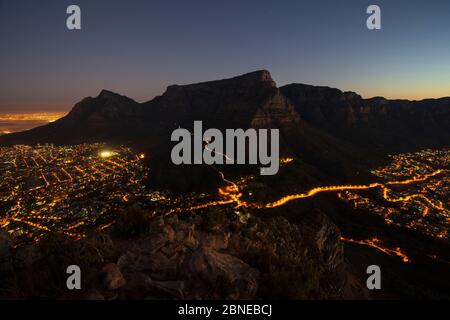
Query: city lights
{"points": [[107, 154], [65, 189]]}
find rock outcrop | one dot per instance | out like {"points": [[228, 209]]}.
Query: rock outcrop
{"points": [[217, 255]]}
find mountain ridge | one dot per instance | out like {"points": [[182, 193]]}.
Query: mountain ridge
{"points": [[327, 128], [247, 79]]}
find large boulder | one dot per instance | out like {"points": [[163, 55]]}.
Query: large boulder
{"points": [[220, 276], [113, 278]]}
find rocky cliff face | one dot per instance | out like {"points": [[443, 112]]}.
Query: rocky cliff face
{"points": [[240, 102], [214, 256]]}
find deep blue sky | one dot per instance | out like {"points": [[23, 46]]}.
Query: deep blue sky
{"points": [[138, 47]]}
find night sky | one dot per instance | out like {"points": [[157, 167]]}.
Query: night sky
{"points": [[138, 48]]}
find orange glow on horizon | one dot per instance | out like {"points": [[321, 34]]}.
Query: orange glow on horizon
{"points": [[32, 116]]}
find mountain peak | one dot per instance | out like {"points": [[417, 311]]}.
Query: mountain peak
{"points": [[108, 94], [248, 80], [251, 78], [262, 74], [258, 76]]}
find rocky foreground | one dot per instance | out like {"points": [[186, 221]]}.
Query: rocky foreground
{"points": [[216, 255]]}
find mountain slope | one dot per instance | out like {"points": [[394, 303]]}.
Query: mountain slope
{"points": [[107, 116], [377, 125]]}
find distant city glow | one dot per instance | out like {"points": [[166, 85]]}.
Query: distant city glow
{"points": [[41, 116], [16, 122]]}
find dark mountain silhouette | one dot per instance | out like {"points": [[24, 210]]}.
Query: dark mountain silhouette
{"points": [[331, 132], [105, 117], [376, 125]]}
